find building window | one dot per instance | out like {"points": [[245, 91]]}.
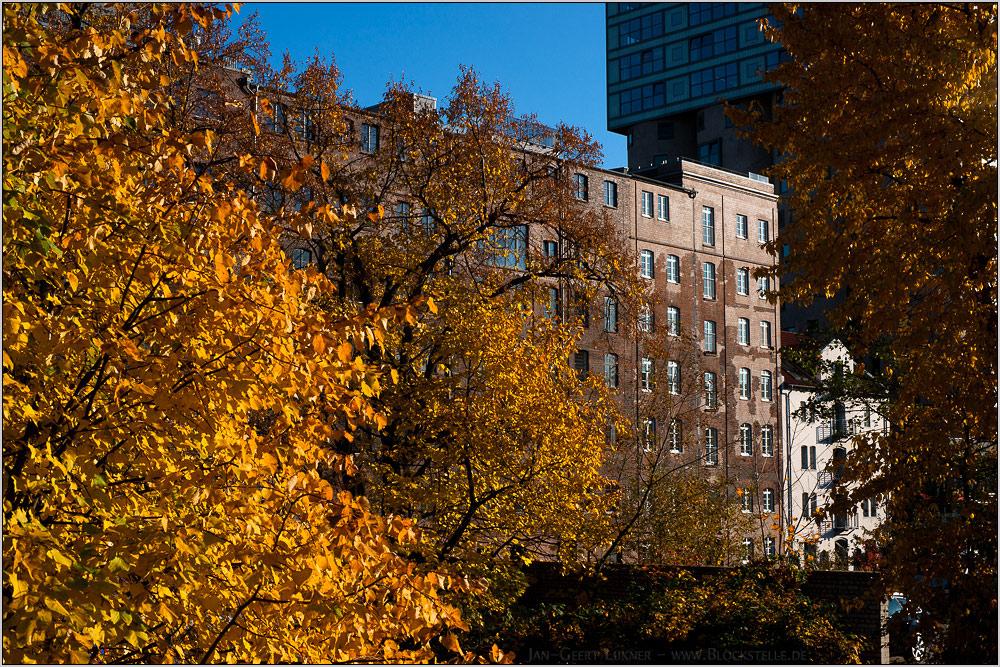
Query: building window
{"points": [[646, 319], [769, 549], [640, 29], [673, 269], [747, 549], [709, 153], [554, 307], [714, 79], [646, 263], [709, 337], [704, 12], [808, 505], [745, 383], [611, 194], [611, 369], [763, 231], [767, 500], [765, 334], [741, 226], [765, 385], [581, 190], [715, 43], [648, 434], [662, 207], [275, 123], [711, 390], [581, 364], [403, 211], [640, 64], [747, 497], [708, 280], [610, 314], [767, 440], [743, 281], [743, 331], [647, 204], [550, 249], [708, 225], [869, 508], [301, 258], [506, 247], [711, 446], [611, 435], [641, 98], [674, 437], [673, 377], [763, 287], [369, 138], [673, 321], [868, 416], [646, 374], [808, 457], [746, 440]]}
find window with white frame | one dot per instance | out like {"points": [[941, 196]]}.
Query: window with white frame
{"points": [[711, 390], [708, 225], [869, 508], [808, 453], [769, 549], [710, 347], [553, 308], [708, 280], [662, 208], [610, 314], [767, 500], [581, 190], [581, 363], [746, 440], [674, 436], [763, 231], [767, 440], [646, 318], [369, 138], [741, 226], [611, 369], [765, 385], [648, 433], [763, 287], [673, 321], [743, 331], [611, 194], [743, 281], [744, 383], [647, 204], [673, 377], [809, 505], [747, 498], [765, 334], [646, 374], [673, 269], [646, 263], [747, 549], [711, 446]]}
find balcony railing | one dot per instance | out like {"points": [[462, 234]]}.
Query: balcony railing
{"points": [[835, 429]]}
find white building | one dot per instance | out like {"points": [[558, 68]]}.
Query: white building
{"points": [[812, 449]]}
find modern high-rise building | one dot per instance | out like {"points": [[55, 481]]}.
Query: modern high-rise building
{"points": [[670, 65]]}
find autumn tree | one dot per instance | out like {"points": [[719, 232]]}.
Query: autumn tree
{"points": [[171, 386], [888, 136]]}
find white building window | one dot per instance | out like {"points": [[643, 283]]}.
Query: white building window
{"points": [[662, 207], [610, 314], [582, 190], [769, 549], [648, 434], [743, 331], [646, 374], [708, 280], [767, 500], [747, 549], [767, 440], [611, 369], [763, 287], [646, 263], [741, 226], [673, 269], [673, 321], [746, 440], [646, 319], [710, 347], [765, 334], [763, 231], [674, 437], [765, 385], [708, 225], [647, 204], [745, 383], [369, 138], [711, 446], [611, 194], [743, 281], [673, 377], [711, 390], [747, 498], [808, 453]]}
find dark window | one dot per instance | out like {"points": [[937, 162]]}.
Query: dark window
{"points": [[611, 194], [715, 43], [581, 189], [703, 12], [714, 79], [709, 153], [642, 98], [301, 258], [775, 58], [640, 64], [369, 138], [581, 363], [640, 29]]}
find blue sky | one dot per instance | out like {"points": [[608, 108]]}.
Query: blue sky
{"points": [[550, 56]]}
